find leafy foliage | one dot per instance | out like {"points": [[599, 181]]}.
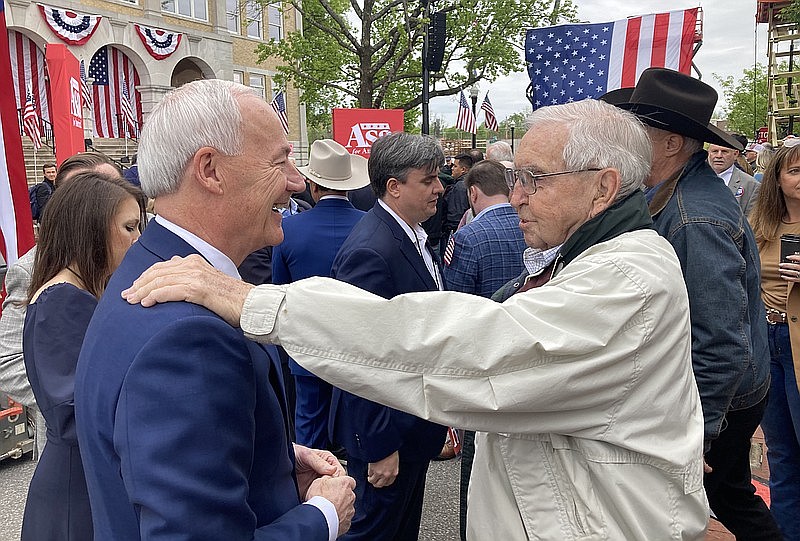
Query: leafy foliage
{"points": [[367, 53], [746, 98]]}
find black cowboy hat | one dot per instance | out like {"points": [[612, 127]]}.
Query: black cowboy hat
{"points": [[674, 102]]}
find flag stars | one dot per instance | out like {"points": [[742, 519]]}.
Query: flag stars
{"points": [[549, 49], [603, 42], [580, 74], [558, 41], [599, 89], [538, 57], [602, 57], [600, 73], [585, 30], [550, 35], [605, 29], [591, 65], [592, 51], [579, 91], [594, 36], [572, 83], [546, 62]]}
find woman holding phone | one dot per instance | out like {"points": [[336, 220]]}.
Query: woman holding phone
{"points": [[775, 219]]}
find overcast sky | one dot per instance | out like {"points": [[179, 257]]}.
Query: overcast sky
{"points": [[729, 46]]}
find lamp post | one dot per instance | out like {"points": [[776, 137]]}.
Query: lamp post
{"points": [[473, 94], [512, 137]]}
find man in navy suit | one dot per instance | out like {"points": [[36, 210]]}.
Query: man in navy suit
{"points": [[387, 254], [181, 420], [310, 243]]}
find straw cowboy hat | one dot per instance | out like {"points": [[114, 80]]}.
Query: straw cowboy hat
{"points": [[674, 102], [332, 167]]}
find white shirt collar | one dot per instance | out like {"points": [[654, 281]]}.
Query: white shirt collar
{"points": [[332, 196], [726, 174], [415, 233], [219, 260], [491, 207]]}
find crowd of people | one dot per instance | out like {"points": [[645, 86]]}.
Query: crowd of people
{"points": [[598, 322]]}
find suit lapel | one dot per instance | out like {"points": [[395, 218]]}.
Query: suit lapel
{"points": [[407, 248], [735, 182]]}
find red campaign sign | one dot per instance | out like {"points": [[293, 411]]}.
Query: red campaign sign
{"points": [[761, 136], [357, 129], [65, 97]]}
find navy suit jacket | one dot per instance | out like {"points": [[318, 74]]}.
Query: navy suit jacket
{"points": [[379, 257], [312, 239], [182, 421]]}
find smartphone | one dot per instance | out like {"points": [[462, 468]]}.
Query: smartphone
{"points": [[790, 245]]}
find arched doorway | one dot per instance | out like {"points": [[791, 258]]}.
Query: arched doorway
{"points": [[29, 73], [188, 70]]}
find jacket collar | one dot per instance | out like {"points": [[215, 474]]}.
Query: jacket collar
{"points": [[667, 188], [163, 243], [630, 214], [407, 248]]}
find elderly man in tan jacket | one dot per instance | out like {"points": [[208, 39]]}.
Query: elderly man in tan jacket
{"points": [[589, 419]]}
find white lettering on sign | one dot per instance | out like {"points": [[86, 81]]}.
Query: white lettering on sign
{"points": [[363, 134]]}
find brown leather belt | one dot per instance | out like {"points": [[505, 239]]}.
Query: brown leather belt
{"points": [[775, 316]]}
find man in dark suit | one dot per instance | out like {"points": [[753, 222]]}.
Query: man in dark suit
{"points": [[387, 254], [181, 420], [310, 243]]}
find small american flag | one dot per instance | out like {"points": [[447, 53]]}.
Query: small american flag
{"points": [[30, 122], [86, 94], [465, 120], [491, 120], [279, 105], [127, 110], [448, 250]]}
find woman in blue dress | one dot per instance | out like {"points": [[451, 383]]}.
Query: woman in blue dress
{"points": [[86, 228]]}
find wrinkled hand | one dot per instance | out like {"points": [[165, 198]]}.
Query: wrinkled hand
{"points": [[790, 271], [338, 491], [311, 464], [190, 279], [383, 473]]}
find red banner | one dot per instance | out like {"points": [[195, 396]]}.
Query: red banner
{"points": [[65, 100], [357, 129]]}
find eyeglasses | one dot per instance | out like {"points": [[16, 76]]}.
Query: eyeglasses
{"points": [[530, 180]]}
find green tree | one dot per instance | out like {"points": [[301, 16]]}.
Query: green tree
{"points": [[746, 98], [367, 53]]}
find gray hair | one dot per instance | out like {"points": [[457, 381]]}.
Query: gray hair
{"points": [[198, 114], [500, 151], [600, 135], [394, 155]]}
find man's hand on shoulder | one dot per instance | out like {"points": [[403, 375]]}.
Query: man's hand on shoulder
{"points": [[338, 491], [191, 279]]}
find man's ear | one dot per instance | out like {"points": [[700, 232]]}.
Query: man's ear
{"points": [[473, 194], [393, 187], [207, 171], [608, 183]]}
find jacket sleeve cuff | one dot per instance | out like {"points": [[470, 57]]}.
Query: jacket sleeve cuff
{"points": [[260, 310], [329, 511]]}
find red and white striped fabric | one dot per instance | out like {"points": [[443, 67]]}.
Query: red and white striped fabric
{"points": [[30, 123], [28, 69], [16, 226], [109, 67], [663, 40], [572, 62], [465, 119]]}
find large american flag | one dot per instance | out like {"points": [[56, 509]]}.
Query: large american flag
{"points": [[30, 123], [577, 61], [279, 105], [491, 120], [110, 68], [28, 69], [465, 120], [16, 226]]}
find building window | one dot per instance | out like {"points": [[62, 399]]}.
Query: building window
{"points": [[255, 19], [257, 84], [232, 15], [275, 20], [238, 77], [196, 9]]}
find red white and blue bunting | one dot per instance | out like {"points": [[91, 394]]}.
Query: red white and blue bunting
{"points": [[159, 43], [73, 27]]}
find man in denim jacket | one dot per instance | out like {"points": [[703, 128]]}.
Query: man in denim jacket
{"points": [[697, 213]]}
